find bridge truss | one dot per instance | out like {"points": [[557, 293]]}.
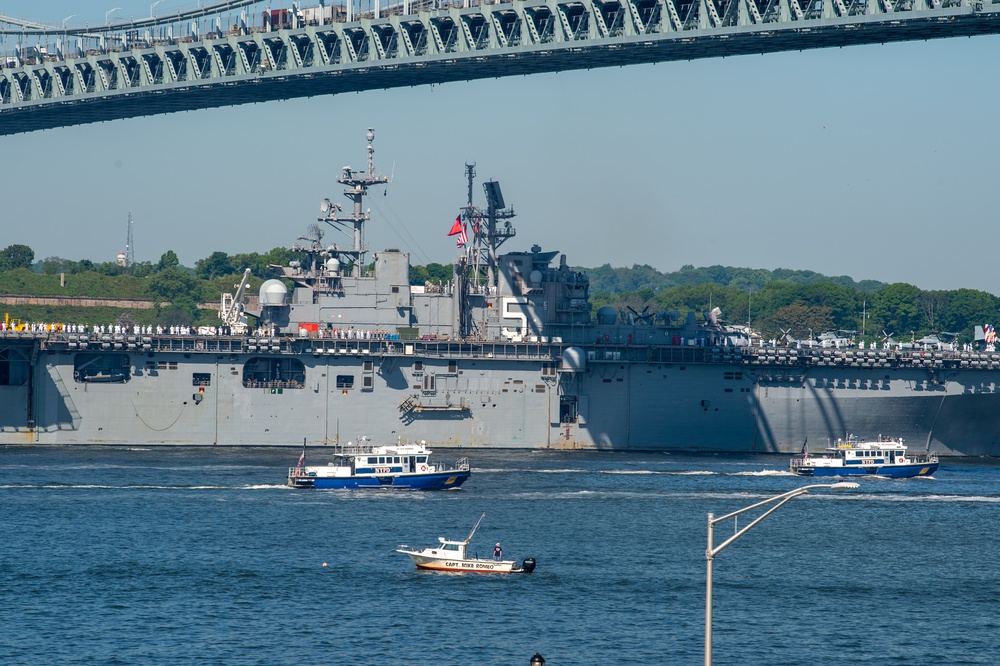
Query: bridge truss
{"points": [[301, 53]]}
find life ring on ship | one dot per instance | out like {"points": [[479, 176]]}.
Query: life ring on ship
{"points": [[423, 468]]}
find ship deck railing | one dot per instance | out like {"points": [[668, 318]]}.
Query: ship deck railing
{"points": [[772, 363]]}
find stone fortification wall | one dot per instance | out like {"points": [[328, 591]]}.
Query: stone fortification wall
{"points": [[78, 301]]}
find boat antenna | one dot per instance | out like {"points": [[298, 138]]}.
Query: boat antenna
{"points": [[475, 527]]}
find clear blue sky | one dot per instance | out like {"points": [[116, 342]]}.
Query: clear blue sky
{"points": [[878, 162]]}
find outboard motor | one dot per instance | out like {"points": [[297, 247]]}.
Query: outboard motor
{"points": [[528, 565]]}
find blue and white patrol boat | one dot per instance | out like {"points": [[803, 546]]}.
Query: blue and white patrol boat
{"points": [[364, 465], [883, 456]]}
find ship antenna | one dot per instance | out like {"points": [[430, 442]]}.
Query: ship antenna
{"points": [[357, 188], [371, 153], [471, 215], [470, 174]]}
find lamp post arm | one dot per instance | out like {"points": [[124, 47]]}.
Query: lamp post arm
{"points": [[715, 550], [776, 498]]}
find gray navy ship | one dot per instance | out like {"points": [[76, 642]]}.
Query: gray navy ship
{"points": [[506, 354]]}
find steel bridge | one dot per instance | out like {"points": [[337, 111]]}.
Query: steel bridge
{"points": [[142, 68]]}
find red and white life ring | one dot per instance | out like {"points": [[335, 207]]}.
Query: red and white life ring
{"points": [[423, 468]]}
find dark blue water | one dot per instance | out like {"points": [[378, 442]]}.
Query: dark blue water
{"points": [[167, 556]]}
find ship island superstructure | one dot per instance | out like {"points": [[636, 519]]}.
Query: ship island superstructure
{"points": [[507, 353]]}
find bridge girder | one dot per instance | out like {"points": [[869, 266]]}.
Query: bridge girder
{"points": [[485, 41]]}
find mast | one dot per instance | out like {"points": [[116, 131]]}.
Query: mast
{"points": [[487, 233], [129, 248], [357, 188], [473, 214], [478, 263], [474, 528]]}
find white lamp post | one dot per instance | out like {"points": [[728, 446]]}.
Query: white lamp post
{"points": [[714, 550]]}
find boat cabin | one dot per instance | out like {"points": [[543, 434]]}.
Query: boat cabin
{"points": [[390, 464], [884, 451], [453, 549]]}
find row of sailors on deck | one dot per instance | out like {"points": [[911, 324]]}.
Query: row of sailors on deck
{"points": [[115, 329], [54, 327], [353, 334]]}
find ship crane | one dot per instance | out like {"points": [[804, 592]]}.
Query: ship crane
{"points": [[231, 310]]}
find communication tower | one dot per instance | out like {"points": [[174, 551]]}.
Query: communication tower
{"points": [[126, 257], [129, 247]]}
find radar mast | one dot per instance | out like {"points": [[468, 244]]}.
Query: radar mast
{"points": [[487, 232], [357, 187]]}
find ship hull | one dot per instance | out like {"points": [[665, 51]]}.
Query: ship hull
{"points": [[443, 481], [467, 566], [506, 398], [890, 471]]}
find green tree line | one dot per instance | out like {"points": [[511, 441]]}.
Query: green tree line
{"points": [[175, 290], [799, 303], [804, 311]]}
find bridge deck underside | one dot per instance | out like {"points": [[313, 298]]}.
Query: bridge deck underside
{"points": [[489, 63]]}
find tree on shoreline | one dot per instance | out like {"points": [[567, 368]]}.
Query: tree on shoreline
{"points": [[16, 256]]}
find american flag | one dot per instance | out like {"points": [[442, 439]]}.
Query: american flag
{"points": [[463, 238], [302, 458]]}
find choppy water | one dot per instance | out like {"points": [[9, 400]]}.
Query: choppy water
{"points": [[167, 556]]}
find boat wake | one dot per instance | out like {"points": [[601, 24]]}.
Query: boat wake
{"points": [[977, 499], [632, 472]]}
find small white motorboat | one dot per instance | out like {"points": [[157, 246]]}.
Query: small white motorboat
{"points": [[453, 556]]}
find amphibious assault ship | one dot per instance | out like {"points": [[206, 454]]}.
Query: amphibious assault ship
{"points": [[506, 354]]}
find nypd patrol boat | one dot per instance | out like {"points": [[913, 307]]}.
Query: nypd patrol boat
{"points": [[363, 465], [454, 556], [883, 456]]}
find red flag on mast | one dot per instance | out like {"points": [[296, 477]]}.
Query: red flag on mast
{"points": [[457, 227]]}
